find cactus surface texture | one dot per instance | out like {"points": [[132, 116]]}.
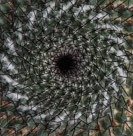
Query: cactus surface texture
{"points": [[66, 67]]}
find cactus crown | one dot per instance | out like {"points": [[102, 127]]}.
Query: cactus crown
{"points": [[66, 67]]}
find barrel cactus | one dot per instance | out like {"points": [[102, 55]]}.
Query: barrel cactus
{"points": [[66, 67]]}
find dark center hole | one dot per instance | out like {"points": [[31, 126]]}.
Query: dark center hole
{"points": [[65, 63]]}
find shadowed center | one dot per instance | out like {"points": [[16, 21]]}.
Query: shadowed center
{"points": [[66, 63]]}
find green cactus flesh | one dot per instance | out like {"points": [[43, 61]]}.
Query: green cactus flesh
{"points": [[66, 67]]}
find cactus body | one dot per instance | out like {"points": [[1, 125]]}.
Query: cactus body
{"points": [[66, 68]]}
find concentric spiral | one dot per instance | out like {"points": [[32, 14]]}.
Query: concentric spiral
{"points": [[65, 67]]}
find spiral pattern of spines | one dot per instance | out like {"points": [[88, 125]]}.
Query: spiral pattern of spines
{"points": [[32, 35]]}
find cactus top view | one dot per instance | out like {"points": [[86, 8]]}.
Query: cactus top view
{"points": [[66, 67]]}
